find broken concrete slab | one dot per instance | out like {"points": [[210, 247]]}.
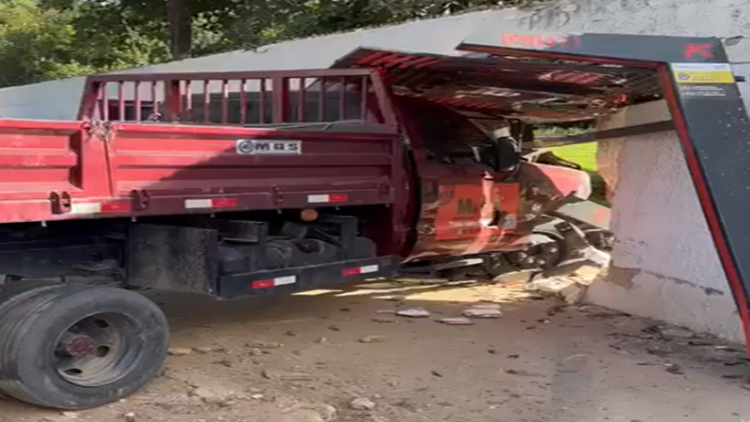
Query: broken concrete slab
{"points": [[483, 311], [572, 289], [456, 321], [522, 276], [574, 294], [362, 403], [282, 375], [260, 344], [552, 285], [675, 332], [180, 351], [373, 339], [384, 320], [413, 312]]}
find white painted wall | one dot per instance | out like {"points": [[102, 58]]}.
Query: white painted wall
{"points": [[664, 264]]}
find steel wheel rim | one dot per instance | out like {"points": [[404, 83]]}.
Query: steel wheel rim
{"points": [[98, 349]]}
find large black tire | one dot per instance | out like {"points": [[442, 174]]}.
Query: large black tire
{"points": [[34, 322], [17, 291]]}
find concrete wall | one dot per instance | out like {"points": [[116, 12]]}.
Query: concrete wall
{"points": [[55, 100], [664, 264]]}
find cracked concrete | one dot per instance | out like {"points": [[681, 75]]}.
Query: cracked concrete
{"points": [[623, 277]]}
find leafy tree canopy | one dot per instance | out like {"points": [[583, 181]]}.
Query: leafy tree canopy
{"points": [[50, 39]]}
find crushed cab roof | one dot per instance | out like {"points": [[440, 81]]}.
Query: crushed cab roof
{"points": [[530, 89]]}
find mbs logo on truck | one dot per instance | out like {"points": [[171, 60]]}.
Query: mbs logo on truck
{"points": [[268, 147]]}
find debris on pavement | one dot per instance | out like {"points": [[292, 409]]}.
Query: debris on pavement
{"points": [[520, 373], [572, 289], [413, 312], [384, 320], [483, 311], [259, 344], [659, 350], [373, 339], [328, 412], [130, 417], [224, 362], [522, 276], [180, 351], [282, 375], [674, 369], [201, 393], [456, 321], [209, 349], [362, 403]]}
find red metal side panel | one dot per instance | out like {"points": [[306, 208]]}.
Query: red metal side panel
{"points": [[68, 170], [38, 159], [199, 169], [177, 161]]}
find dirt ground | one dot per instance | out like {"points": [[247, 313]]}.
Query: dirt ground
{"points": [[342, 355]]}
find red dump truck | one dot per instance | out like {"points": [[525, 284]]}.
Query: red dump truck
{"points": [[248, 184]]}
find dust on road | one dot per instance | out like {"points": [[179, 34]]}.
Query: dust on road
{"points": [[344, 355]]}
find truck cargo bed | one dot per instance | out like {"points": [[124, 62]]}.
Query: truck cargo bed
{"points": [[158, 151]]}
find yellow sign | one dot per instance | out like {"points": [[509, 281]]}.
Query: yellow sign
{"points": [[703, 73]]}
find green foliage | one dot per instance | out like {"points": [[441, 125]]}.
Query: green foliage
{"points": [[585, 156], [48, 39], [41, 43]]}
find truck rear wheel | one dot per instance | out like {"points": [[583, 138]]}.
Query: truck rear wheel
{"points": [[77, 347]]}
